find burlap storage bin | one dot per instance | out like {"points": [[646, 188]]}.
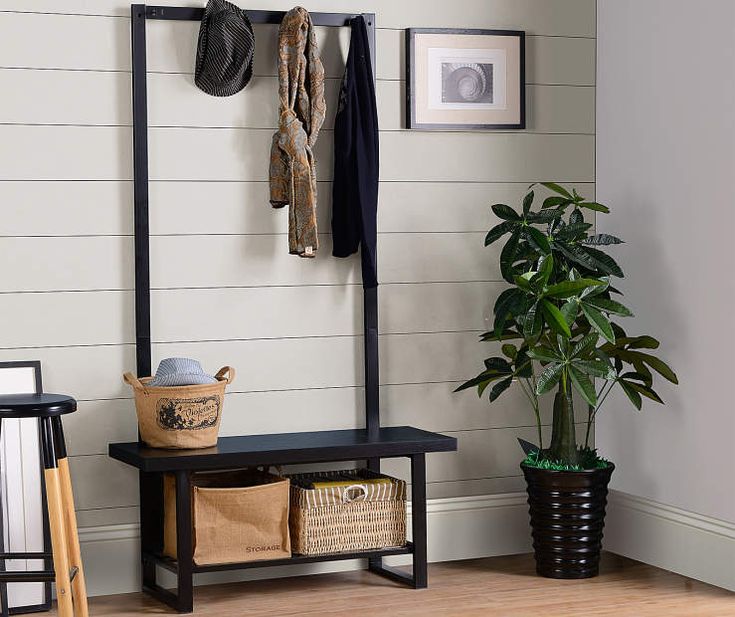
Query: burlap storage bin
{"points": [[236, 517], [356, 517], [180, 416]]}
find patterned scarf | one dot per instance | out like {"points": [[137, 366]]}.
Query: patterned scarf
{"points": [[302, 109]]}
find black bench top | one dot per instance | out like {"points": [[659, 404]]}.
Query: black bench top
{"points": [[286, 448]]}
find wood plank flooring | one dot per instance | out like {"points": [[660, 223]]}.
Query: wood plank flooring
{"points": [[500, 586]]}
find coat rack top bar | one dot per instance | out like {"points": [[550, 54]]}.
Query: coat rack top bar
{"points": [[192, 13]]}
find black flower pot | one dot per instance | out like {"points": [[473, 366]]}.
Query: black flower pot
{"points": [[567, 516]]}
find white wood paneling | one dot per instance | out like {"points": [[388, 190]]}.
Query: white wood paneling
{"points": [[67, 263], [103, 98], [258, 312], [33, 208], [103, 153], [105, 208], [552, 17], [100, 43], [225, 261]]}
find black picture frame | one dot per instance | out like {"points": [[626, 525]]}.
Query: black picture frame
{"points": [[46, 604], [410, 42]]}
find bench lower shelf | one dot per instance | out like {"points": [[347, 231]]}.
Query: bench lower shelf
{"points": [[265, 450], [173, 566]]}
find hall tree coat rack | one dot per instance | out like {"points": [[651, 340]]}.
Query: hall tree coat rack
{"points": [[370, 444]]}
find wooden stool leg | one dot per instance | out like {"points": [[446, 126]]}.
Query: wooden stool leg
{"points": [[79, 587], [56, 521]]}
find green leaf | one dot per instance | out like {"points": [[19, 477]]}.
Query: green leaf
{"points": [[555, 319], [508, 256], [634, 397], [509, 303], [603, 239], [545, 216], [593, 205], [523, 363], [569, 309], [565, 289], [583, 385], [576, 254], [545, 268], [549, 378], [543, 354], [524, 282], [475, 381], [498, 364], [585, 345], [538, 240], [599, 322], [527, 201], [532, 322], [603, 261], [553, 186], [659, 366], [505, 212], [509, 350], [500, 387], [609, 306], [498, 232], [646, 391], [644, 342], [555, 202], [595, 368], [576, 217]]}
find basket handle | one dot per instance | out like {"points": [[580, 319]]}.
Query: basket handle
{"points": [[132, 380], [354, 492], [228, 371]]}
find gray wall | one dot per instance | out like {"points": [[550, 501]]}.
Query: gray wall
{"points": [[225, 290], [665, 160]]}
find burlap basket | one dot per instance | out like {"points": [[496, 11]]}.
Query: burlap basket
{"points": [[236, 517], [355, 517], [180, 416]]}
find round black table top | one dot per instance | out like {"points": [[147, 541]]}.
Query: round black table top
{"points": [[35, 405]]}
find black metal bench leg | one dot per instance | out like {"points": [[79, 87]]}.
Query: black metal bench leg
{"points": [[151, 525], [418, 519], [184, 544], [418, 579]]}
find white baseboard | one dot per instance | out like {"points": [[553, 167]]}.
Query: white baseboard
{"points": [[696, 546], [458, 528]]}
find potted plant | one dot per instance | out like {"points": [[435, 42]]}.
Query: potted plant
{"points": [[556, 330]]}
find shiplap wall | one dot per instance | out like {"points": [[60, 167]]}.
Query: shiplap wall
{"points": [[225, 289]]}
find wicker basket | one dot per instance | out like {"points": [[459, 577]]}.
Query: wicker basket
{"points": [[180, 416], [360, 514]]}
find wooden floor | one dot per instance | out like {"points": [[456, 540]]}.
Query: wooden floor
{"points": [[501, 586]]}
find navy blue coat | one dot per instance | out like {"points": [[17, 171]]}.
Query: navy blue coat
{"points": [[356, 159]]}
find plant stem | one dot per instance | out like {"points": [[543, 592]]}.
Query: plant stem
{"points": [[530, 393], [593, 412]]}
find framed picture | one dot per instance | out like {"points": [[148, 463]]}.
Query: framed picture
{"points": [[24, 524], [460, 79]]}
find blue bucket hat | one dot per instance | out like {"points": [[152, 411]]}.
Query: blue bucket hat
{"points": [[180, 372]]}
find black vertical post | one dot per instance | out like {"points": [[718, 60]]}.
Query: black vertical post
{"points": [[140, 192], [184, 544], [150, 485], [370, 316], [418, 519]]}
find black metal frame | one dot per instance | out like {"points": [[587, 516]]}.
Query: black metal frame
{"points": [[151, 483], [16, 576], [411, 80]]}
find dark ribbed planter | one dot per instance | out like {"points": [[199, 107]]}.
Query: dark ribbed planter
{"points": [[567, 516]]}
